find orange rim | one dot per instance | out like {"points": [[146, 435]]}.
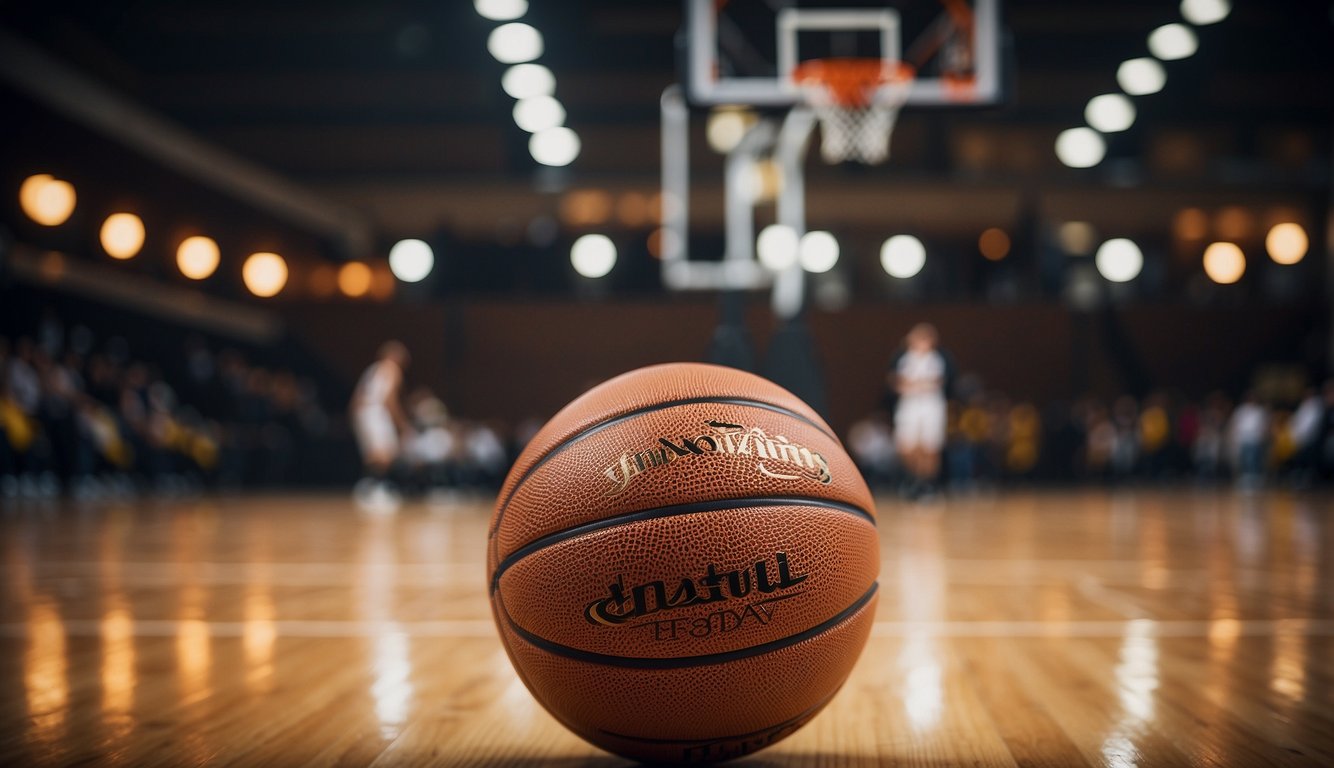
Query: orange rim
{"points": [[852, 82]]}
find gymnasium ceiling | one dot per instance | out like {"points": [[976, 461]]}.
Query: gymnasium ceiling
{"points": [[395, 109]]}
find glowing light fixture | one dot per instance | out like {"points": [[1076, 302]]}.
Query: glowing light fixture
{"points": [[1110, 112], [197, 257], [46, 199], [1119, 260], [1287, 243], [501, 10], [1080, 147], [1201, 12], [726, 127], [524, 81], [554, 146], [122, 235], [902, 256], [817, 251], [593, 256], [777, 247], [411, 260], [514, 43], [354, 279], [1173, 41], [264, 274], [1141, 77], [538, 113], [994, 244], [1224, 263]]}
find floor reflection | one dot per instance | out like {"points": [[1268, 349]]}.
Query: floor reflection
{"points": [[259, 634], [1136, 675], [392, 687], [921, 581], [1137, 671], [390, 664], [1287, 670], [194, 657], [46, 672], [267, 630], [118, 675]]}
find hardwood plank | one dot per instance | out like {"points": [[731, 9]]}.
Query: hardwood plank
{"points": [[1169, 627]]}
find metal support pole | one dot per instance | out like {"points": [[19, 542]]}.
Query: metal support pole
{"points": [[790, 284]]}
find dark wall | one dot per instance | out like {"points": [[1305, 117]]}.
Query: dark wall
{"points": [[510, 360]]}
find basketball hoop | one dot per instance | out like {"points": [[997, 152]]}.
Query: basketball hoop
{"points": [[857, 102]]}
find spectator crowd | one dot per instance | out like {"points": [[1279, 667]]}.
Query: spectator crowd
{"points": [[993, 440], [85, 417]]}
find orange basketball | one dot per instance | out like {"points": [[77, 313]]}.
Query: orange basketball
{"points": [[683, 564]]}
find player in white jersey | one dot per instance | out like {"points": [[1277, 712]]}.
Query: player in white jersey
{"points": [[378, 421], [918, 376]]}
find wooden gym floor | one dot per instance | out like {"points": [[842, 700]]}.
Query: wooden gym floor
{"points": [[1152, 628]]}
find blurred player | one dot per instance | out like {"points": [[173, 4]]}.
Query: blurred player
{"points": [[918, 375], [378, 421]]}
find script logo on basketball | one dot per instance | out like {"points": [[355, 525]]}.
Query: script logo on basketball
{"points": [[778, 457], [639, 605]]}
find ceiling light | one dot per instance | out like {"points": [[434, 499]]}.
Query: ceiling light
{"points": [[122, 235], [501, 10], [1224, 263], [264, 274], [593, 256], [538, 113], [554, 146], [514, 43], [524, 81], [1110, 112], [1287, 243], [902, 256], [411, 260], [1119, 260], [817, 251], [1201, 12], [197, 257], [1173, 41], [1141, 77], [777, 247], [46, 199], [1080, 147]]}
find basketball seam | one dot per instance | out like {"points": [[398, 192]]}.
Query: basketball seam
{"points": [[655, 513], [605, 423], [683, 662]]}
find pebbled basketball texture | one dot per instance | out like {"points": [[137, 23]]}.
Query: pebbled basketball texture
{"points": [[682, 564]]}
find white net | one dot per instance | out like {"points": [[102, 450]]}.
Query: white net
{"points": [[857, 132]]}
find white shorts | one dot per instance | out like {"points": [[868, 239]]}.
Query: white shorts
{"points": [[919, 422], [376, 435]]}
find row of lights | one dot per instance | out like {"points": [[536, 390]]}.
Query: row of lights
{"points": [[1084, 147], [536, 111], [1120, 260], [779, 247], [50, 202], [530, 84]]}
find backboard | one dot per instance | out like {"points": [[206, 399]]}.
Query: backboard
{"points": [[745, 51]]}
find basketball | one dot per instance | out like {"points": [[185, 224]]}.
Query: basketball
{"points": [[682, 564]]}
